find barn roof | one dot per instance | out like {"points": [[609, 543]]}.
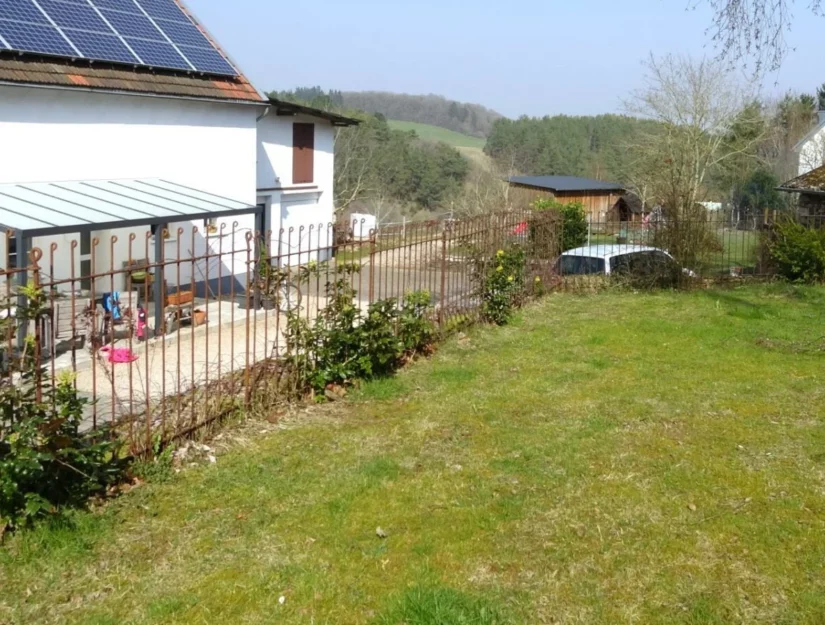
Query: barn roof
{"points": [[812, 182], [565, 184], [29, 69]]}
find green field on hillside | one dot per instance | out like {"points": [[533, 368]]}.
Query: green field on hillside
{"points": [[434, 133]]}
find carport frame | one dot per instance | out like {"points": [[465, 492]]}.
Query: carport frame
{"points": [[24, 236]]}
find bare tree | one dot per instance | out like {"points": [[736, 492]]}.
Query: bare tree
{"points": [[354, 160], [486, 189], [754, 29], [698, 106]]}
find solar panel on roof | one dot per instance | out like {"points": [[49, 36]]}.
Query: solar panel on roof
{"points": [[158, 53], [35, 38], [156, 33], [132, 25], [22, 10], [121, 5], [101, 46], [206, 60], [168, 9], [74, 16]]}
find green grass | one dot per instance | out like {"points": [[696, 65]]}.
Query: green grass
{"points": [[618, 458], [435, 133]]}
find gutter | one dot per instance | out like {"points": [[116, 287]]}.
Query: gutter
{"points": [[803, 191]]}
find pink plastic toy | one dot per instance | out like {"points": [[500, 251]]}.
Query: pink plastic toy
{"points": [[119, 355]]}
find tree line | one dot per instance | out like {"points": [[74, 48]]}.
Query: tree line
{"points": [[468, 119], [756, 137], [589, 147]]}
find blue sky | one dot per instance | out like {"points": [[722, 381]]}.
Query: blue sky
{"points": [[520, 57]]}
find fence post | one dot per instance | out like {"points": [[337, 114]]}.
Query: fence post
{"points": [[36, 255], [443, 294], [372, 266], [23, 251]]}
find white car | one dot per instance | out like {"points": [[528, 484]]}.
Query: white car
{"points": [[606, 260]]}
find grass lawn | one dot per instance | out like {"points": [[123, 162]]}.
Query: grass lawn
{"points": [[618, 458], [436, 133]]}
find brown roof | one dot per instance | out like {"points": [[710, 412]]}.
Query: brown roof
{"points": [[633, 202], [26, 70], [282, 107], [812, 182]]}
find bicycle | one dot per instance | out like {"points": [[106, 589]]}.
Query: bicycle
{"points": [[277, 290]]}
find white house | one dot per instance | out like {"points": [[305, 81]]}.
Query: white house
{"points": [[295, 178], [113, 128], [811, 148]]}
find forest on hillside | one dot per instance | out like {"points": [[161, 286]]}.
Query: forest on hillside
{"points": [[468, 119], [591, 147]]}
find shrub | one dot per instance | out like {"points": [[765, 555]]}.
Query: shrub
{"points": [[500, 284], [574, 222], [797, 252], [47, 462], [343, 344]]}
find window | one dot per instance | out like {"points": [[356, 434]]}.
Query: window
{"points": [[303, 153], [12, 253], [581, 265], [86, 275], [620, 264], [85, 243]]}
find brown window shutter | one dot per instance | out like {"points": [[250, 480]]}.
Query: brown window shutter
{"points": [[303, 153]]}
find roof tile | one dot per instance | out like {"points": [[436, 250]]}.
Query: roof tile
{"points": [[38, 71], [812, 181]]}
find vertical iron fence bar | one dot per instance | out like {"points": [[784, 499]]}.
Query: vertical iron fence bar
{"points": [[35, 256], [93, 349], [192, 323]]}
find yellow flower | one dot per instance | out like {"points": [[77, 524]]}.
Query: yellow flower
{"points": [[499, 268], [510, 278], [538, 279], [500, 253]]}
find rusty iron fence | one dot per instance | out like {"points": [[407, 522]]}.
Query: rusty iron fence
{"points": [[162, 348]]}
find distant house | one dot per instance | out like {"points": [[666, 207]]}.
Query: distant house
{"points": [[810, 188], [597, 196], [811, 148]]}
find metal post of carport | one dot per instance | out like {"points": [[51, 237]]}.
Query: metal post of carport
{"points": [[24, 245], [260, 245]]}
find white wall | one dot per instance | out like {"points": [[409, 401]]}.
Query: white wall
{"points": [[54, 135], [305, 211], [812, 152]]}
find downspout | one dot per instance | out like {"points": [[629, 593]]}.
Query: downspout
{"points": [[264, 114]]}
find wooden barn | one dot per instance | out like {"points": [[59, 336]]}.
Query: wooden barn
{"points": [[597, 196]]}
